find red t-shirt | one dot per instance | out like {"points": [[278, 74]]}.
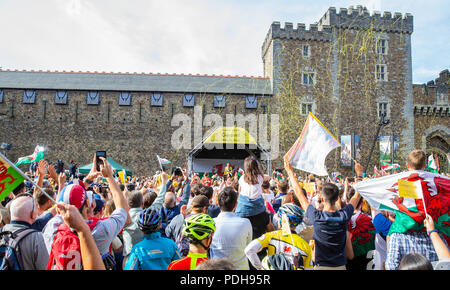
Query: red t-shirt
{"points": [[190, 262]]}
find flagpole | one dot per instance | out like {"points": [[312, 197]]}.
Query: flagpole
{"points": [[26, 177], [159, 161]]}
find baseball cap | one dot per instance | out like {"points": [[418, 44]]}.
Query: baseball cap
{"points": [[78, 182], [200, 201], [73, 194], [99, 203]]}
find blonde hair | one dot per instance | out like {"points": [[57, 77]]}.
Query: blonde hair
{"points": [[417, 159]]}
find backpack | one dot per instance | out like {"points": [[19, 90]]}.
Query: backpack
{"points": [[10, 256], [65, 253], [182, 243]]}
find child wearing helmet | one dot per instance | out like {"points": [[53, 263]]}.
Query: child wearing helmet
{"points": [[292, 247], [199, 229], [154, 252]]}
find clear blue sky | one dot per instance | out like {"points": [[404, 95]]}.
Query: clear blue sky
{"points": [[186, 36]]}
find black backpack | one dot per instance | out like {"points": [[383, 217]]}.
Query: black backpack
{"points": [[10, 256]]}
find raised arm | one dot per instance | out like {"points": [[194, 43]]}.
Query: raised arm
{"points": [[40, 171], [441, 249], [295, 185], [117, 194], [159, 200], [186, 191], [90, 254], [356, 197]]}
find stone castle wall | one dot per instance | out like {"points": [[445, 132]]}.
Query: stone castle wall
{"points": [[132, 135]]}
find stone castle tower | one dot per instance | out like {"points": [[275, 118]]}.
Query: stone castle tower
{"points": [[349, 68]]}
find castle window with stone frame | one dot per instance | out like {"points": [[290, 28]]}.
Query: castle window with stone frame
{"points": [[383, 106], [307, 105], [381, 72], [382, 109], [306, 50], [308, 78], [382, 46]]}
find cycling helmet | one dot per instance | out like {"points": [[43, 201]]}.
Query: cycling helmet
{"points": [[149, 220], [199, 226], [293, 212], [109, 261], [276, 262]]}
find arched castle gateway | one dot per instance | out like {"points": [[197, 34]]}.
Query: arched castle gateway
{"points": [[349, 68]]}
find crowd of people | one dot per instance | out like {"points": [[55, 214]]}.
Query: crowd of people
{"points": [[239, 219]]}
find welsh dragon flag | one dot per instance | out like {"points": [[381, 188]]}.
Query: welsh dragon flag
{"points": [[434, 191], [37, 156], [10, 177], [388, 166]]}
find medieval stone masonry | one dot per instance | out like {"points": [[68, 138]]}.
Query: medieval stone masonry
{"points": [[347, 69]]}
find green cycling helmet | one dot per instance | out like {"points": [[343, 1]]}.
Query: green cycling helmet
{"points": [[198, 226]]}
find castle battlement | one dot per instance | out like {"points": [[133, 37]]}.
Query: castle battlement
{"points": [[314, 33], [360, 18], [357, 18]]}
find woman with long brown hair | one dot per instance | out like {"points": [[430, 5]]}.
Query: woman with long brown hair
{"points": [[251, 203], [250, 184]]}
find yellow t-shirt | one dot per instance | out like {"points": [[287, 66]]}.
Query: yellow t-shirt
{"points": [[276, 243]]}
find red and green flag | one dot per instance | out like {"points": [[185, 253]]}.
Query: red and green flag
{"points": [[411, 195], [388, 166], [37, 156], [10, 177], [432, 166]]}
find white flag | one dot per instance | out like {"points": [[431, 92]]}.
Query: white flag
{"points": [[312, 147]]}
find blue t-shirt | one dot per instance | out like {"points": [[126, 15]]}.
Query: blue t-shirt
{"points": [[330, 234]]}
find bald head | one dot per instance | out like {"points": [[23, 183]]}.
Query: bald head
{"points": [[21, 209], [169, 200]]}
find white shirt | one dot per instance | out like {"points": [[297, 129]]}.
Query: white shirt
{"points": [[232, 235], [269, 197], [251, 190]]}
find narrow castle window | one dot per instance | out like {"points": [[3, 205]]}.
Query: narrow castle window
{"points": [[381, 72], [307, 105], [306, 108], [382, 46], [308, 78], [306, 52], [382, 109]]}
